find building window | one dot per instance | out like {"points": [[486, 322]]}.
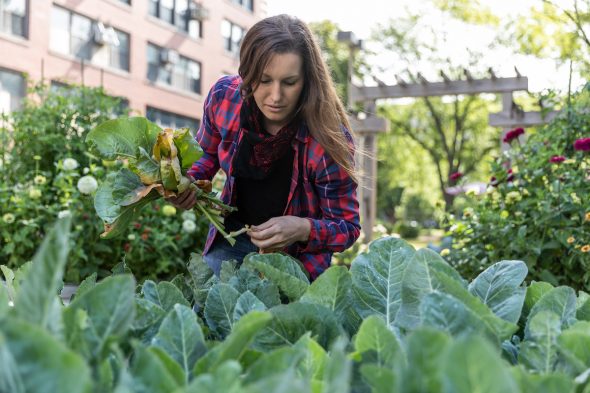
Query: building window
{"points": [[84, 38], [171, 120], [178, 13], [232, 36], [13, 17], [12, 90], [128, 2], [168, 67], [247, 4]]}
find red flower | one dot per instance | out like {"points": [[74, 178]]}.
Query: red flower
{"points": [[137, 225], [513, 134], [582, 144], [510, 175], [126, 247], [557, 159], [144, 236], [455, 176], [493, 181]]}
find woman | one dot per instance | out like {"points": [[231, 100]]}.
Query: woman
{"points": [[280, 133]]}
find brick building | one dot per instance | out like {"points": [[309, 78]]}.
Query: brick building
{"points": [[161, 56]]}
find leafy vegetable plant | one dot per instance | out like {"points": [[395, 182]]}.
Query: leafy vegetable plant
{"points": [[157, 161]]}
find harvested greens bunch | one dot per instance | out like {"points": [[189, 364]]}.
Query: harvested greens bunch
{"points": [[157, 163]]}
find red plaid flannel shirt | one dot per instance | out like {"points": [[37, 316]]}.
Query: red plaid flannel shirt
{"points": [[321, 190]]}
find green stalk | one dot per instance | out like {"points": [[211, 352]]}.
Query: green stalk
{"points": [[215, 223]]}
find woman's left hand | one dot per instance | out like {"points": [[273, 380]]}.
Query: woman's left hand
{"points": [[280, 232]]}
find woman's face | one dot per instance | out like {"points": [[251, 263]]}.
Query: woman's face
{"points": [[278, 93]]}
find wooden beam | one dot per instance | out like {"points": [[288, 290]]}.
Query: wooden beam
{"points": [[526, 119], [475, 86], [369, 125]]}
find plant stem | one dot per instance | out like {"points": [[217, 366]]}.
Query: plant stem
{"points": [[215, 223]]}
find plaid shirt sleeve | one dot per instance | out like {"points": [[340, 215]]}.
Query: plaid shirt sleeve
{"points": [[208, 135], [339, 225]]}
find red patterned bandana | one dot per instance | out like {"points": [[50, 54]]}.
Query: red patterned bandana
{"points": [[258, 149]]}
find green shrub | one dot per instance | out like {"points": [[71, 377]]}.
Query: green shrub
{"points": [[40, 175], [537, 207]]}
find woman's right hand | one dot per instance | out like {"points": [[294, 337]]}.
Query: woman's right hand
{"points": [[187, 199]]}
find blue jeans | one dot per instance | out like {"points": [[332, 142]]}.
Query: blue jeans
{"points": [[221, 251]]}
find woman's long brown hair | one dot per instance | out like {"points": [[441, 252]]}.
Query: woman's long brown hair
{"points": [[319, 103]]}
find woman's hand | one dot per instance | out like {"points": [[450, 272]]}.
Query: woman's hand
{"points": [[188, 198], [280, 232]]}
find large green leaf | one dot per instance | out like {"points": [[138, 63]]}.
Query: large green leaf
{"points": [[546, 383], [375, 336], [293, 320], [226, 379], [574, 348], [380, 379], [283, 270], [37, 299], [164, 294], [122, 138], [4, 301], [561, 301], [234, 345], [425, 349], [274, 362], [102, 314], [583, 311], [117, 218], [332, 289], [189, 150], [499, 288], [41, 363], [447, 313], [128, 188], [181, 337], [377, 277], [201, 278], [473, 365], [219, 308], [150, 373], [539, 351], [246, 279], [338, 369], [286, 382], [428, 272], [313, 364], [247, 302]]}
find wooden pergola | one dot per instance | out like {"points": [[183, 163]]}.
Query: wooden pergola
{"points": [[366, 129]]}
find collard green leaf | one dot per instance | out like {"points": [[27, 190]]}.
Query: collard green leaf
{"points": [[293, 320], [446, 313], [4, 299], [499, 288], [314, 361], [246, 279], [37, 299], [146, 167], [374, 335], [427, 272], [87, 284], [338, 369], [547, 383], [226, 379], [122, 138], [100, 315], [246, 303], [43, 364], [164, 294], [425, 349], [561, 301], [10, 378], [534, 292], [286, 382], [189, 150], [174, 369], [332, 289], [234, 345], [380, 379], [538, 352], [180, 336], [128, 188], [201, 278], [9, 283], [583, 311], [377, 276], [574, 348], [150, 374], [275, 362], [473, 365], [283, 270], [117, 218], [219, 308]]}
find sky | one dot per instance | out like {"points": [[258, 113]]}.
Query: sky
{"points": [[361, 17]]}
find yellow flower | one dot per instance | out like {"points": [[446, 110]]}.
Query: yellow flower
{"points": [[444, 252], [586, 248], [169, 210], [34, 193], [40, 180], [504, 214], [571, 239], [587, 217]]}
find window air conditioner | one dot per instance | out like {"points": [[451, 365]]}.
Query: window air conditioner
{"points": [[197, 11], [169, 56], [104, 35]]}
